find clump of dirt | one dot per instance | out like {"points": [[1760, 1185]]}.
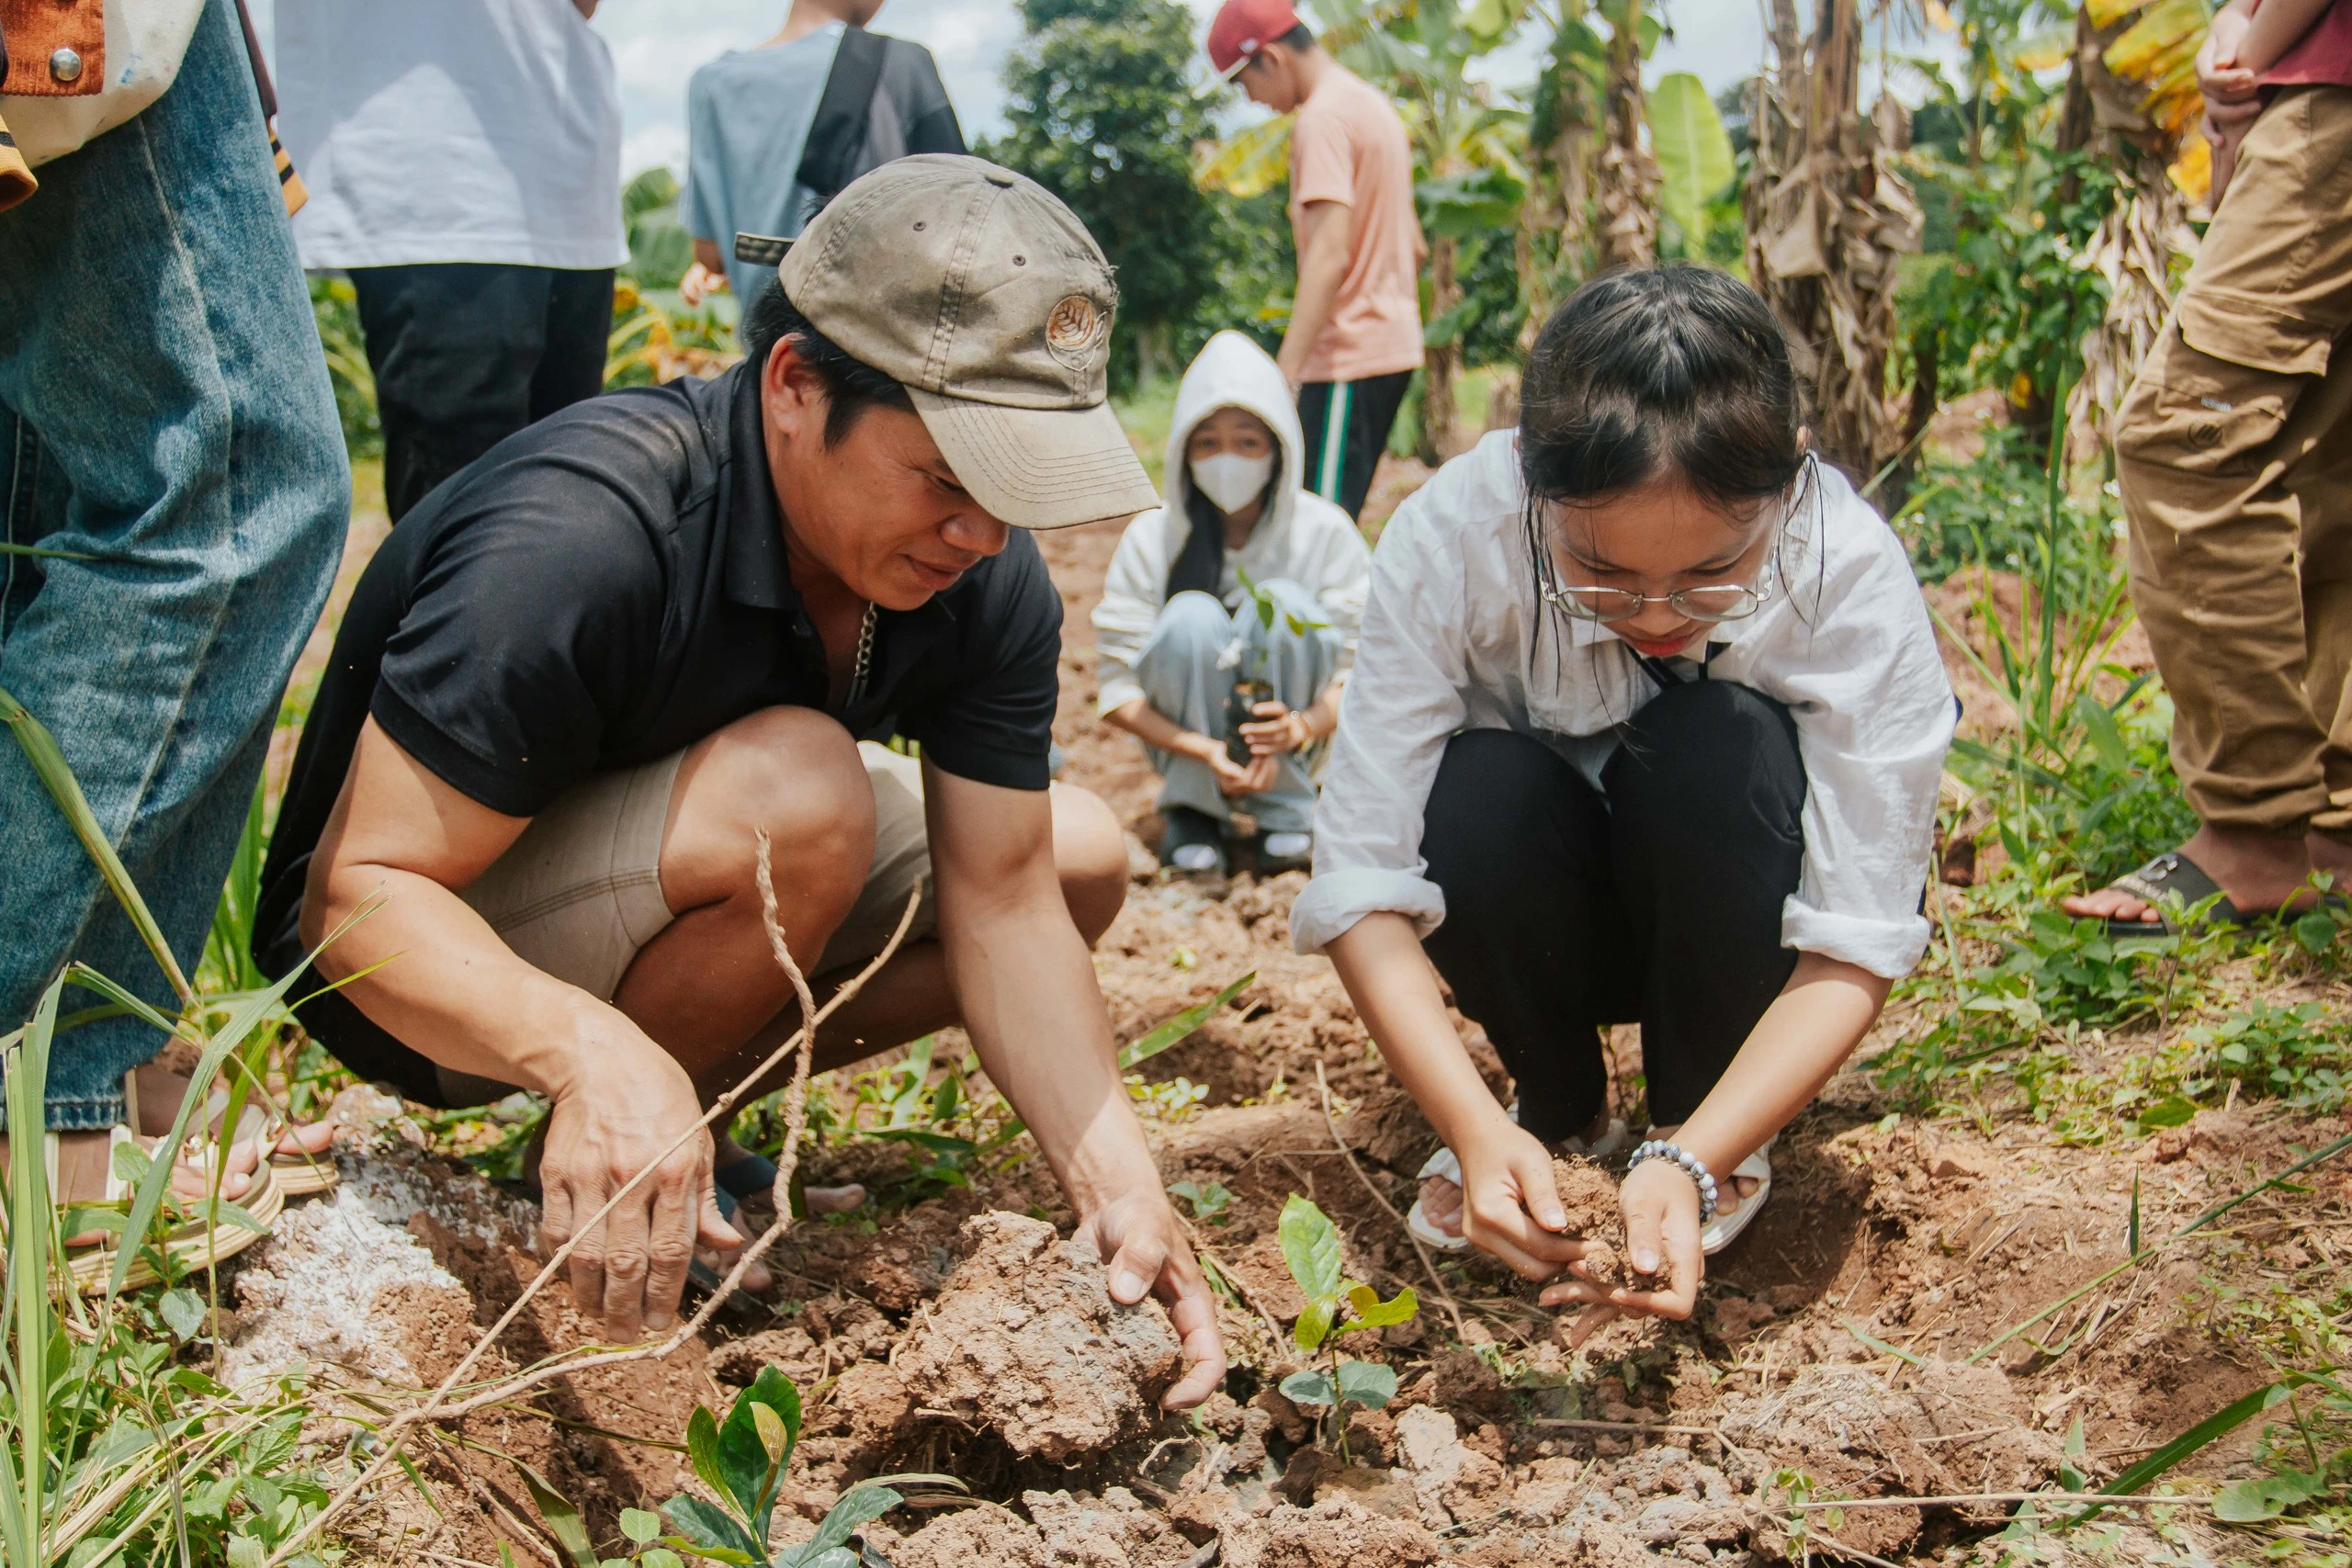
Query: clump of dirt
{"points": [[323, 1288], [1025, 1339], [1590, 1195], [1942, 1428]]}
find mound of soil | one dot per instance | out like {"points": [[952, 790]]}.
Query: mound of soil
{"points": [[1025, 1339]]}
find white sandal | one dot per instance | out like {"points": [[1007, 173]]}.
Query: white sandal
{"points": [[1724, 1229], [1444, 1165]]}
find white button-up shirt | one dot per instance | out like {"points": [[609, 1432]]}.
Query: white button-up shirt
{"points": [[1456, 637]]}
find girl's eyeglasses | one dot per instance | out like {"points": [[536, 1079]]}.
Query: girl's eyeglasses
{"points": [[1716, 601]]}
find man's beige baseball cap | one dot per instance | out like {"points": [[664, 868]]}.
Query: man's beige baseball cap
{"points": [[983, 295]]}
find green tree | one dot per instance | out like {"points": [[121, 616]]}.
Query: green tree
{"points": [[1101, 113]]}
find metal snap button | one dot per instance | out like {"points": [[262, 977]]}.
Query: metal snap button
{"points": [[65, 64]]}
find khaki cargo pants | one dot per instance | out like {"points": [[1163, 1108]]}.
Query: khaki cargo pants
{"points": [[2233, 453]]}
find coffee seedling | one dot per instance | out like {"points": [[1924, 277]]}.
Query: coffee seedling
{"points": [[742, 1460], [1310, 1246]]}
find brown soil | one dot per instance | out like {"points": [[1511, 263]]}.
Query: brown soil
{"points": [[1589, 1194], [960, 1334], [1024, 1339]]}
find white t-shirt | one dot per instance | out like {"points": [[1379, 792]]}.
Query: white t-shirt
{"points": [[450, 130]]}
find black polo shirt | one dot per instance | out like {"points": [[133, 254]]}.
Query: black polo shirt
{"points": [[609, 586]]}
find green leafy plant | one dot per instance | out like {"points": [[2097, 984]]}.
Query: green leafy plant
{"points": [[1208, 1200], [742, 1460], [1310, 1246]]}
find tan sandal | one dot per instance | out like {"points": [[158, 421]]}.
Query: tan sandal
{"points": [[197, 1243], [298, 1174]]}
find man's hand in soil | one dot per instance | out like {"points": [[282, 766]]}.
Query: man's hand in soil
{"points": [[610, 1121], [1144, 1250], [1661, 1207]]}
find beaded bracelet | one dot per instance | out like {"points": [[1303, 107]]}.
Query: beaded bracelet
{"points": [[1693, 1167]]}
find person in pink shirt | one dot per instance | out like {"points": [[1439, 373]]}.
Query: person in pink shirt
{"points": [[1355, 325]]}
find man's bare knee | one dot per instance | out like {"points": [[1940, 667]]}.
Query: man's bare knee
{"points": [[1091, 857], [791, 774]]}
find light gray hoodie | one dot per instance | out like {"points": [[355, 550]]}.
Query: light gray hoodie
{"points": [[1303, 538]]}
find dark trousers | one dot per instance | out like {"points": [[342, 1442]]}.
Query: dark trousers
{"points": [[1346, 427], [466, 354], [1654, 899]]}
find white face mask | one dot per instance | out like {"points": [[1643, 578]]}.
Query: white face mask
{"points": [[1231, 481]]}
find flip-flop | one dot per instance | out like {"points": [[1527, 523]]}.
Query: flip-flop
{"points": [[1443, 1164], [2171, 875], [1722, 1230]]}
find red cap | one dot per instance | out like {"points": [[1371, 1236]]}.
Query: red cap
{"points": [[1243, 27]]}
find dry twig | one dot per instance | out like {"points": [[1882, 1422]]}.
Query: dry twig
{"points": [[1428, 1268]]}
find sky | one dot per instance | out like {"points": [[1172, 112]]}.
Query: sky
{"points": [[656, 45]]}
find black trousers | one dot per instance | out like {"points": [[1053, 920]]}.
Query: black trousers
{"points": [[465, 355], [1656, 899], [1346, 427]]}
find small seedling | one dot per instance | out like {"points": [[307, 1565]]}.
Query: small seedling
{"points": [[1311, 1248], [1209, 1199], [742, 1460]]}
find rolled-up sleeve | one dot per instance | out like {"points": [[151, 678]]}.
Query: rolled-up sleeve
{"points": [[1407, 697], [1874, 717]]}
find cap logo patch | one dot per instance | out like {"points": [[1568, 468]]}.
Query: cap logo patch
{"points": [[1075, 326]]}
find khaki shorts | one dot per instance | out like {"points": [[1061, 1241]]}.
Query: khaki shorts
{"points": [[579, 895]]}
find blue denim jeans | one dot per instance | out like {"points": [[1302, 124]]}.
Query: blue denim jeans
{"points": [[1197, 651], [163, 408]]}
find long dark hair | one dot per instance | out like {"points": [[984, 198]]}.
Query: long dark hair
{"points": [[1667, 372]]}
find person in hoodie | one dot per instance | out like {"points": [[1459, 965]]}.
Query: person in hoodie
{"points": [[1243, 574]]}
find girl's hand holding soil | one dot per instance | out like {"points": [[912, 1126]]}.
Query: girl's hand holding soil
{"points": [[1660, 1207], [1510, 1208]]}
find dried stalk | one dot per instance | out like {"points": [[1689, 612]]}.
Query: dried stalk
{"points": [[1428, 1267], [804, 1040]]}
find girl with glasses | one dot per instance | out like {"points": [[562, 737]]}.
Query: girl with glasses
{"points": [[1646, 725]]}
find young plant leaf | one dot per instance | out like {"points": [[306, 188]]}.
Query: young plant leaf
{"points": [[705, 1529], [1310, 1388], [1367, 1383], [771, 1434], [563, 1520], [1314, 1324], [702, 1448], [1311, 1246], [752, 1476], [640, 1526], [858, 1505], [1370, 1312], [1182, 1024], [2266, 1496], [182, 1312]]}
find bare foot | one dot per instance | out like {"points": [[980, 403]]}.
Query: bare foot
{"points": [[2261, 873]]}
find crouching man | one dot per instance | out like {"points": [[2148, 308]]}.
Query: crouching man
{"points": [[581, 674]]}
